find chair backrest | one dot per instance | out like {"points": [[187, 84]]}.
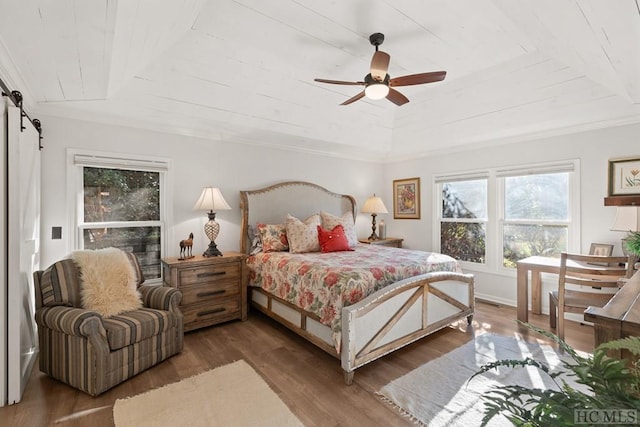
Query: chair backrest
{"points": [[593, 271], [60, 284]]}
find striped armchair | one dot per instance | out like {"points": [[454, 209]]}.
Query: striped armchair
{"points": [[91, 353]]}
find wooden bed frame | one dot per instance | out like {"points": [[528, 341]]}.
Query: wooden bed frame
{"points": [[385, 321]]}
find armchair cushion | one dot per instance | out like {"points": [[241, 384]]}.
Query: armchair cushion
{"points": [[134, 326]]}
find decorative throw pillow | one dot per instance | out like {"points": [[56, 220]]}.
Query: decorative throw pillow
{"points": [[329, 221], [302, 236], [334, 240], [108, 281], [256, 242], [139, 275], [274, 237]]}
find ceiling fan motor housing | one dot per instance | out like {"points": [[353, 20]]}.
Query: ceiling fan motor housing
{"points": [[376, 39]]}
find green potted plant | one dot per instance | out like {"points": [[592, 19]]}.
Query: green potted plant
{"points": [[633, 243], [612, 384]]}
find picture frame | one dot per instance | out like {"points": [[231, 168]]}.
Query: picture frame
{"points": [[624, 177], [601, 249], [406, 198]]}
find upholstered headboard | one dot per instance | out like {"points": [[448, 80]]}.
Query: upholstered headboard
{"points": [[270, 205]]}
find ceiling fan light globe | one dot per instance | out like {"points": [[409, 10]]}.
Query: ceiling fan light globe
{"points": [[376, 91]]}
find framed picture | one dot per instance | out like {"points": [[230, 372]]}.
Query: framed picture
{"points": [[601, 249], [624, 177], [406, 198]]}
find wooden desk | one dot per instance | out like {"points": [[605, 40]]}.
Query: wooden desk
{"points": [[536, 265], [620, 317]]}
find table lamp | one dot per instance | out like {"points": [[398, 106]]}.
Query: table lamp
{"points": [[211, 199], [627, 219], [374, 206]]}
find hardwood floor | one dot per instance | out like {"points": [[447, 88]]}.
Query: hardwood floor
{"points": [[306, 378]]}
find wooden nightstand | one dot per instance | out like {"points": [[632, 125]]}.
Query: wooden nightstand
{"points": [[213, 289], [388, 241]]}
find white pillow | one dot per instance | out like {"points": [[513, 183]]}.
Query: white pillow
{"points": [[346, 220], [303, 235]]}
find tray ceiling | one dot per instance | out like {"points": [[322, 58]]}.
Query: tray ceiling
{"points": [[242, 71]]}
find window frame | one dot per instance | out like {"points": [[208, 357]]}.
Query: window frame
{"points": [[77, 160], [496, 208], [486, 221]]}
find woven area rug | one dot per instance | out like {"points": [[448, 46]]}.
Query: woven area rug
{"points": [[231, 395], [439, 394]]}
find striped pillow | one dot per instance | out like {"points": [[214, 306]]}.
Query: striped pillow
{"points": [[60, 284], [133, 259]]}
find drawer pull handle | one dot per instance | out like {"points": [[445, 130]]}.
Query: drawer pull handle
{"points": [[208, 294], [214, 311], [213, 273]]}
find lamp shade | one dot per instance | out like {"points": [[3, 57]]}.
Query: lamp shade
{"points": [[375, 205], [627, 219], [211, 200], [376, 91]]}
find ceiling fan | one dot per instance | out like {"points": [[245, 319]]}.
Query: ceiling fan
{"points": [[378, 84]]}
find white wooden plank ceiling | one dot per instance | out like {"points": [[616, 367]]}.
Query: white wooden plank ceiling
{"points": [[243, 70]]}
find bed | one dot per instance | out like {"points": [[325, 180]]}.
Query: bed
{"points": [[357, 305]]}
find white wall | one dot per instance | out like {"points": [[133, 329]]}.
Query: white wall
{"points": [[234, 167], [594, 149], [195, 163]]}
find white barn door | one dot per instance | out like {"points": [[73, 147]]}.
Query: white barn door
{"points": [[3, 252], [23, 250]]}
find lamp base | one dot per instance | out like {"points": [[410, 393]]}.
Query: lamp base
{"points": [[212, 250], [373, 236]]}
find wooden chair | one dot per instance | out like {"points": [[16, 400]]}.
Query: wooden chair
{"points": [[585, 280]]}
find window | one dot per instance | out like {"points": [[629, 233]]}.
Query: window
{"points": [[121, 203], [533, 214], [464, 217], [536, 216]]}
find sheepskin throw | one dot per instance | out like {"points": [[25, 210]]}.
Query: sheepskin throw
{"points": [[108, 281]]}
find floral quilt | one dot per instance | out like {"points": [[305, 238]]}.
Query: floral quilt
{"points": [[323, 283]]}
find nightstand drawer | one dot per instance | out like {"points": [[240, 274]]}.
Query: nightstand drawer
{"points": [[209, 273], [209, 291], [208, 313]]}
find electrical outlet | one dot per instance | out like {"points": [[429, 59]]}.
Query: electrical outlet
{"points": [[56, 233]]}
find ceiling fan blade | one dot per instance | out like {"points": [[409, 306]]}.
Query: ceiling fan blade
{"points": [[418, 79], [396, 97], [379, 65], [353, 98], [338, 82]]}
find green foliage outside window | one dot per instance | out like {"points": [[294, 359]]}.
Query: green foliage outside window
{"points": [[121, 195], [464, 241], [115, 200]]}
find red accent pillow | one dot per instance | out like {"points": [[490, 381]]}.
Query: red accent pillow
{"points": [[334, 240]]}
